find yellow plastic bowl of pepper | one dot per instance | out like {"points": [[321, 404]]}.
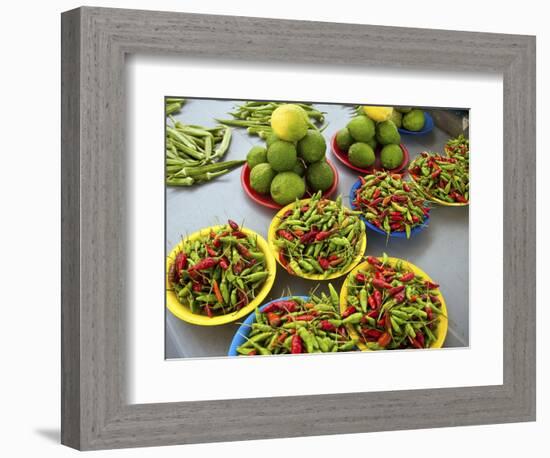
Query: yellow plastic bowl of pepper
{"points": [[184, 313], [443, 324], [272, 235]]}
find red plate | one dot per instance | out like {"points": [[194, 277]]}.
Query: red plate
{"points": [[342, 156], [266, 200]]}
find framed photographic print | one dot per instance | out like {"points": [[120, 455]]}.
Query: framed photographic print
{"points": [[295, 204]]}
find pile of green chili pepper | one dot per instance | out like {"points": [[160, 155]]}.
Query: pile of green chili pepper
{"points": [[393, 307], [193, 152], [218, 273], [459, 148], [294, 325], [318, 236], [256, 116], [390, 204], [442, 177]]}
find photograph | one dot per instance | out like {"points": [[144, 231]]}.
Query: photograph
{"points": [[297, 227]]}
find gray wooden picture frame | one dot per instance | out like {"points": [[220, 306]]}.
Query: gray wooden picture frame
{"points": [[95, 41]]}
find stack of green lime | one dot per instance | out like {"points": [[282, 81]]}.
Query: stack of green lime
{"points": [[293, 158], [374, 129]]}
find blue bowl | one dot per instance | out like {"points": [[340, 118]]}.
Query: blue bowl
{"points": [[428, 127], [244, 329], [397, 234]]}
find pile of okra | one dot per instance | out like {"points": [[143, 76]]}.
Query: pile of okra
{"points": [[297, 325], [394, 307], [318, 236], [220, 272]]}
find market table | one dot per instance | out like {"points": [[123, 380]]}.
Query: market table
{"points": [[442, 250]]}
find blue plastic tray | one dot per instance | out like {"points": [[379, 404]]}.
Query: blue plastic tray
{"points": [[428, 127], [244, 328], [397, 234]]}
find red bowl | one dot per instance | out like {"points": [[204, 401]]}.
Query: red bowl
{"points": [[267, 201], [342, 156]]}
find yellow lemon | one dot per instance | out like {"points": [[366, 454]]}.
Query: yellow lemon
{"points": [[378, 114], [289, 122]]}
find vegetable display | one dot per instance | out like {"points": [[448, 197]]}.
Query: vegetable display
{"points": [[390, 204], [256, 116], [193, 152], [440, 177], [296, 325], [219, 272], [318, 237], [392, 307]]}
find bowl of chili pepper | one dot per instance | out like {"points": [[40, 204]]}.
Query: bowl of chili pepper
{"points": [[294, 325], [218, 275], [443, 180], [396, 306], [342, 156], [426, 129], [317, 238], [400, 215], [267, 201]]}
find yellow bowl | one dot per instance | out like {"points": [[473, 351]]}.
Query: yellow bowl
{"points": [[440, 332], [435, 199], [184, 313], [271, 236]]}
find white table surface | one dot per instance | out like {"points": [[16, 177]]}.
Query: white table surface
{"points": [[441, 250]]}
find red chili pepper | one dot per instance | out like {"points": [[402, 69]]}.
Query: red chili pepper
{"points": [[306, 317], [407, 277], [360, 278], [324, 263], [420, 338], [349, 311], [336, 261], [287, 213], [287, 306], [436, 173], [203, 264], [406, 187], [384, 339], [415, 343], [415, 219], [308, 236], [304, 208], [381, 322], [396, 217], [252, 352], [238, 234], [224, 263], [238, 267], [396, 226], [376, 333], [296, 344], [326, 325], [374, 203], [376, 193], [362, 180], [429, 312], [333, 257], [435, 299], [217, 243], [381, 284], [181, 262], [372, 302], [322, 235], [431, 285], [233, 225], [282, 337], [243, 300], [399, 297], [459, 198], [209, 311], [211, 251], [395, 198], [274, 319], [396, 289], [386, 201], [377, 297], [197, 287], [285, 234], [244, 251], [373, 313]]}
